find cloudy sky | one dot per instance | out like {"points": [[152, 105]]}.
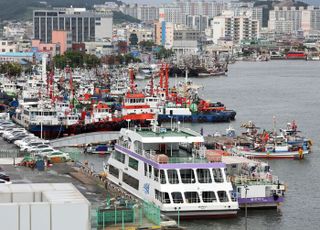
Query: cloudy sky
{"points": [[314, 2]]}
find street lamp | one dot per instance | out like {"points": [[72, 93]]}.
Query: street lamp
{"points": [[178, 215], [128, 123], [245, 207]]}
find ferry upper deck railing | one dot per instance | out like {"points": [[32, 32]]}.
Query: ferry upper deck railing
{"points": [[154, 155]]}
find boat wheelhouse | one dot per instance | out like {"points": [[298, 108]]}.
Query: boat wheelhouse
{"points": [[169, 168]]}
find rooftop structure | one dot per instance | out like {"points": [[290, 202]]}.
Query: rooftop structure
{"points": [[43, 206]]}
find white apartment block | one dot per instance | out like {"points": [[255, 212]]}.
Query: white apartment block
{"points": [[293, 14], [172, 14], [255, 12], [144, 13], [8, 46], [234, 28], [200, 7], [301, 19]]}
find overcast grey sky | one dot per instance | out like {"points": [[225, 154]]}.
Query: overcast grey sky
{"points": [[151, 2]]}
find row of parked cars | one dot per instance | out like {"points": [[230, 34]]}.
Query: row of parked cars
{"points": [[29, 143]]}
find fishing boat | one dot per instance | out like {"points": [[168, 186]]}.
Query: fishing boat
{"points": [[168, 166], [287, 144], [296, 55]]}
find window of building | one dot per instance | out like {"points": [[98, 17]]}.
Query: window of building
{"points": [[223, 196], [192, 197], [173, 176], [204, 176], [131, 181], [119, 156], [114, 171], [177, 197], [209, 197], [133, 163], [187, 176], [217, 175]]}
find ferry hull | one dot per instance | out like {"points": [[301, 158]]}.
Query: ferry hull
{"points": [[205, 214], [260, 202], [278, 155], [48, 131], [212, 117]]}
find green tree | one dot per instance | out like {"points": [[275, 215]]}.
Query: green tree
{"points": [[76, 59], [11, 68], [133, 39], [164, 53]]}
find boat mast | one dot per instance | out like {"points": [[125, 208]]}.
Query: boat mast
{"points": [[166, 82]]}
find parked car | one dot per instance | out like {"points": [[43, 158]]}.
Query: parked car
{"points": [[38, 148], [17, 137], [32, 145], [4, 176], [4, 182]]}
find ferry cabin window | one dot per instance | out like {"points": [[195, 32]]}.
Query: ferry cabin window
{"points": [[177, 197], [150, 171], [163, 197], [145, 169], [192, 197], [187, 176], [162, 177], [119, 156], [114, 171], [209, 197], [131, 181], [204, 176], [223, 196], [133, 163], [217, 175], [173, 176], [156, 174]]}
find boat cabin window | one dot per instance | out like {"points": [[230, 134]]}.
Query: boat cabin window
{"points": [[145, 169], [204, 176], [223, 196], [131, 181], [187, 176], [173, 176], [177, 197], [163, 197], [114, 171], [209, 197], [192, 197], [162, 177], [150, 171], [119, 156], [217, 175], [133, 163], [156, 174]]}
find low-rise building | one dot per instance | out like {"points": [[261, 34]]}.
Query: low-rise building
{"points": [[8, 46]]}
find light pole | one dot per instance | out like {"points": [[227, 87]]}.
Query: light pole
{"points": [[178, 209], [245, 207], [128, 123]]}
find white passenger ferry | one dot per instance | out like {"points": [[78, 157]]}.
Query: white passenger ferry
{"points": [[169, 168]]}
